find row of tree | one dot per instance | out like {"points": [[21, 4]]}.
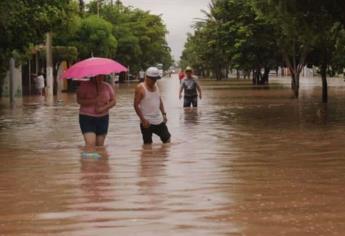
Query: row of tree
{"points": [[24, 23], [133, 37], [260, 35]]}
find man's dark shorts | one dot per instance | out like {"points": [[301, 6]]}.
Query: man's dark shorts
{"points": [[97, 125], [190, 100], [160, 130]]}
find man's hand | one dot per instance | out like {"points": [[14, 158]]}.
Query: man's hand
{"points": [[200, 96], [145, 123], [101, 109], [98, 101], [165, 119]]}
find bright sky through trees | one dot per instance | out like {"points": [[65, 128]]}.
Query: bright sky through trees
{"points": [[178, 15]]}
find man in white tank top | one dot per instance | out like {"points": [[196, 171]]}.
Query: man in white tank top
{"points": [[149, 107]]}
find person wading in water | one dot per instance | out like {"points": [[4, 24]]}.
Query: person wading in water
{"points": [[149, 107], [95, 98], [191, 89]]}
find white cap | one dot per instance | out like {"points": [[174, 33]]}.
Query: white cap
{"points": [[188, 68], [153, 73]]}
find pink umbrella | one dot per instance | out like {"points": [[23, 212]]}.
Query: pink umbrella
{"points": [[93, 66]]}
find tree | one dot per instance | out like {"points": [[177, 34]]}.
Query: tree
{"points": [[336, 8], [233, 36], [253, 46], [191, 56], [310, 31], [140, 34], [292, 22], [205, 49], [24, 22], [328, 50], [95, 38]]}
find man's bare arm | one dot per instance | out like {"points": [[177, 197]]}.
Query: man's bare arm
{"points": [[199, 89], [181, 90], [139, 95]]}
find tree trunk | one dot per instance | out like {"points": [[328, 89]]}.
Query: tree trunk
{"points": [[49, 65], [265, 77], [296, 67], [11, 80], [257, 76], [3, 70], [253, 75], [219, 74], [246, 74], [324, 83], [295, 84]]}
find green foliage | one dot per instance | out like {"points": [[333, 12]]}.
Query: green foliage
{"points": [[231, 36], [328, 52], [294, 28], [61, 53], [140, 34], [134, 37], [131, 36], [25, 22], [64, 36], [309, 33], [256, 34], [95, 38]]}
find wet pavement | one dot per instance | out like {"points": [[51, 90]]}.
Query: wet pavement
{"points": [[249, 161]]}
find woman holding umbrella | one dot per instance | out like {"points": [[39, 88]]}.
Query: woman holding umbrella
{"points": [[95, 98]]}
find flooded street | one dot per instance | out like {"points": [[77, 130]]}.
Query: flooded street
{"points": [[249, 161]]}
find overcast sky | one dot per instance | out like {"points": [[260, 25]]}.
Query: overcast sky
{"points": [[178, 16]]}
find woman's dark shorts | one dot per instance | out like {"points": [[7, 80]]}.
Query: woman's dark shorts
{"points": [[97, 125], [190, 100], [161, 130]]}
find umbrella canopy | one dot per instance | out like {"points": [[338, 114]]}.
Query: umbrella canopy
{"points": [[92, 67]]}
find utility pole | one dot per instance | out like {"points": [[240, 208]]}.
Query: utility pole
{"points": [[30, 72], [37, 61], [11, 78], [49, 69]]}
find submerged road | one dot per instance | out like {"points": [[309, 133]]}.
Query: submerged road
{"points": [[247, 162]]}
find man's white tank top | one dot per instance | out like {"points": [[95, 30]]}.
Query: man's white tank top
{"points": [[149, 106]]}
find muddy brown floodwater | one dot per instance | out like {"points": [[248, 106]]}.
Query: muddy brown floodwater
{"points": [[247, 162]]}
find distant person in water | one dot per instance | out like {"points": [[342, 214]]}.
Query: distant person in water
{"points": [[181, 76], [191, 89], [40, 84], [96, 98], [149, 107]]}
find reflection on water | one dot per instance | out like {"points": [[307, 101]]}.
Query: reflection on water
{"points": [[192, 116], [152, 168], [95, 178], [246, 162]]}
